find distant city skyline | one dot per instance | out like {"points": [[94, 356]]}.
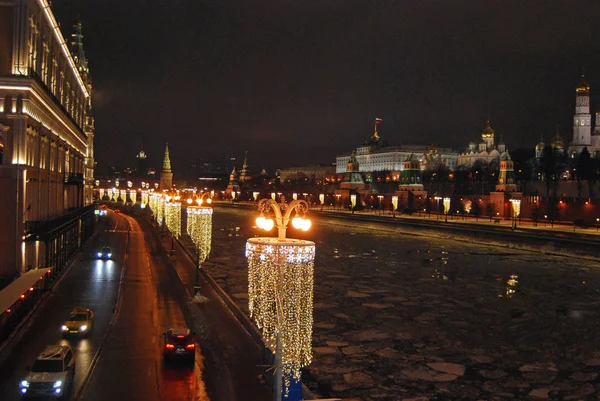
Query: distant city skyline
{"points": [[299, 83]]}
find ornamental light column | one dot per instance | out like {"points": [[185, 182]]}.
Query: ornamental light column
{"points": [[280, 292], [516, 211], [446, 207], [199, 228]]}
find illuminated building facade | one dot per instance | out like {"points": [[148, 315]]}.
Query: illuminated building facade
{"points": [[376, 155], [582, 123], [46, 139]]}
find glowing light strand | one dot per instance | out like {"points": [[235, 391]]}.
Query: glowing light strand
{"points": [[173, 217], [280, 297], [199, 228]]}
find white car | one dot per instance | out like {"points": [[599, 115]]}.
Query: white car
{"points": [[51, 375]]}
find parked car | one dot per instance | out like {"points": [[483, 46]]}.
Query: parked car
{"points": [[51, 375], [80, 322], [179, 344]]}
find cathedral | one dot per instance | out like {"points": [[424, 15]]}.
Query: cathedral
{"points": [[485, 151]]}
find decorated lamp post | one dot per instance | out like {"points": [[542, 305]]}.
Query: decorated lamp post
{"points": [[199, 228], [437, 206], [173, 217], [280, 292]]}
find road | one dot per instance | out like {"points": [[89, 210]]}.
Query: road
{"points": [[90, 283], [121, 358]]}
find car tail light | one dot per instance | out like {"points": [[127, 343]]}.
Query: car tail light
{"points": [[169, 346], [179, 336], [190, 346]]}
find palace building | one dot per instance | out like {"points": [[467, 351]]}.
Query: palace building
{"points": [[376, 155], [46, 139]]}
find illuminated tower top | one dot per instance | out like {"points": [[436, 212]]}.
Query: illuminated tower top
{"points": [[78, 53], [166, 161], [245, 174], [487, 135]]}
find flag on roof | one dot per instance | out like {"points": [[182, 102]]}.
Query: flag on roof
{"points": [[378, 121]]}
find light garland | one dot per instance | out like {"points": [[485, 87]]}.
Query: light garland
{"points": [[145, 198], [123, 195], [133, 197], [173, 217], [199, 228], [280, 297]]}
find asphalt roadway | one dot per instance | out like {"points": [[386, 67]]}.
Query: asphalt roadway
{"points": [[135, 298]]}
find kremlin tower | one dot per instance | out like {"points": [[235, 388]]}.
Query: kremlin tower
{"points": [[166, 176]]}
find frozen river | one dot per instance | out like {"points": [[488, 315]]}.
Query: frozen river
{"points": [[401, 316]]}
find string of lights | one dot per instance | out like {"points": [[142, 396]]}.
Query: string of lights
{"points": [[199, 228], [145, 198], [172, 212], [280, 298]]}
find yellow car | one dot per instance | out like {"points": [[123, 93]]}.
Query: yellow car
{"points": [[80, 322]]}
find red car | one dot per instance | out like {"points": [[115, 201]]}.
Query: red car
{"points": [[179, 344]]}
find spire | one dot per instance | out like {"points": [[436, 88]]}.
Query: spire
{"points": [[245, 165], [166, 161], [77, 51]]}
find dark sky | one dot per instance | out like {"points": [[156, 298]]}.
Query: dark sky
{"points": [[296, 82]]}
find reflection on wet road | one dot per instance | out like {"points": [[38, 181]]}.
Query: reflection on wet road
{"points": [[89, 283], [130, 366]]}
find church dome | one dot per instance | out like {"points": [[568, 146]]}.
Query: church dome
{"points": [[583, 85], [487, 130], [540, 146], [557, 142]]}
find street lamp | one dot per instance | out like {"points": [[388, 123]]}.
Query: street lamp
{"points": [[437, 206], [173, 217], [199, 228], [516, 209], [446, 207], [280, 292], [394, 205]]}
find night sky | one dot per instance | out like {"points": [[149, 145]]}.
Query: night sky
{"points": [[296, 82]]}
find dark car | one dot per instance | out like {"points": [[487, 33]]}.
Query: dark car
{"points": [[179, 344], [105, 253]]}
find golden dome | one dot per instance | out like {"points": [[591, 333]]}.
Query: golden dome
{"points": [[557, 142], [487, 131], [540, 146], [583, 85]]}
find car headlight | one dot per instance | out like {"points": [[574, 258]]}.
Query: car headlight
{"points": [[57, 383], [24, 383], [63, 327], [99, 254], [83, 327], [110, 255]]}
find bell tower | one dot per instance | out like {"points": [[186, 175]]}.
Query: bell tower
{"points": [[582, 120]]}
